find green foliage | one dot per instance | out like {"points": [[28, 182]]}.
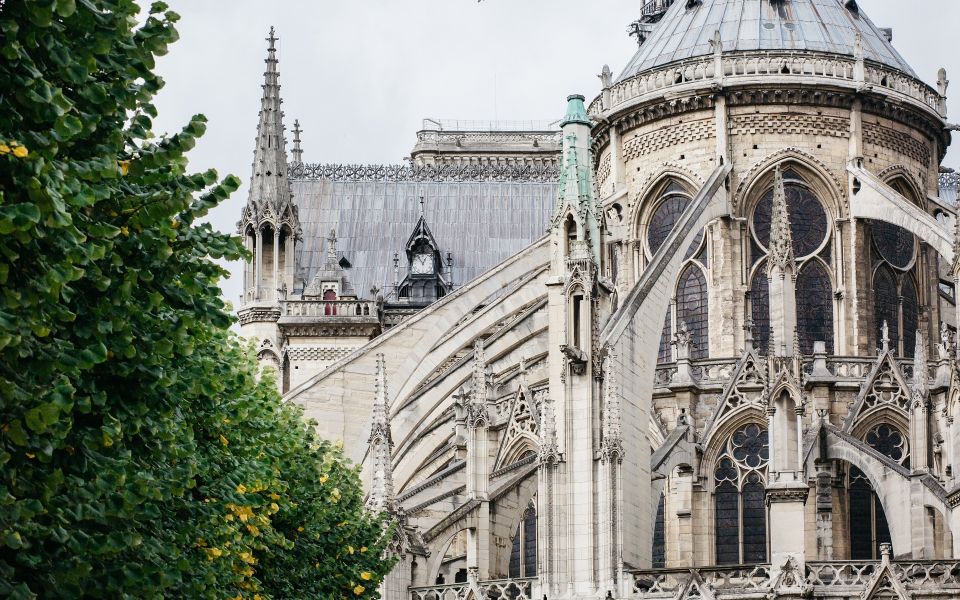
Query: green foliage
{"points": [[139, 455]]}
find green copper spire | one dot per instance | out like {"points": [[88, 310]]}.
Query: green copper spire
{"points": [[576, 111]]}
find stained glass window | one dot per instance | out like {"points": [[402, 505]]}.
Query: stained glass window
{"points": [[814, 307], [895, 244], [886, 305], [692, 309], [808, 219], [739, 497], [530, 544], [523, 552], [911, 314], [760, 311], [664, 354], [663, 220], [659, 541], [868, 522]]}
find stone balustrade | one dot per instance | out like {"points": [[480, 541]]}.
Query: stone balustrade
{"points": [[505, 589], [822, 579], [328, 308], [746, 66]]}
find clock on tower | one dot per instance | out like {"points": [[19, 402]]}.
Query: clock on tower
{"points": [[422, 264]]}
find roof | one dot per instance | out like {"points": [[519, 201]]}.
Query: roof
{"points": [[482, 216], [813, 25]]}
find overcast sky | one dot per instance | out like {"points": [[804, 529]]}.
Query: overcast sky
{"points": [[362, 74]]}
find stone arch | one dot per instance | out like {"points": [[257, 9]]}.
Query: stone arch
{"points": [[715, 441], [439, 549], [519, 448], [897, 493], [645, 203], [818, 176], [901, 172]]}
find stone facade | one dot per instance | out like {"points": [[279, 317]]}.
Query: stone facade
{"points": [[728, 370]]}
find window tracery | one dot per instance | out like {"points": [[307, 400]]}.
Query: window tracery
{"points": [[814, 307], [523, 552], [691, 292], [809, 228], [692, 299], [739, 497], [868, 522]]}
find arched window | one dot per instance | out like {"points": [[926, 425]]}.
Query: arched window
{"points": [[523, 552], [329, 296], [814, 307], [740, 512], [886, 304], [810, 232], [895, 294], [692, 309], [659, 535], [868, 523], [760, 309], [672, 199]]}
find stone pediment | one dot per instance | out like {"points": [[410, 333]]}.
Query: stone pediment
{"points": [[885, 388]]}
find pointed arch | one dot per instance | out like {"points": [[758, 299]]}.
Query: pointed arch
{"points": [[814, 293], [657, 182], [826, 185]]}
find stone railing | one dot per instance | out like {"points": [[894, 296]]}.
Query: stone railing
{"points": [[824, 579], [499, 589], [328, 308], [667, 583], [747, 66]]}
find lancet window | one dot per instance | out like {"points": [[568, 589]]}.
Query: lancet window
{"points": [[691, 299], [523, 553], [810, 233], [659, 535], [894, 287], [868, 523], [740, 516]]}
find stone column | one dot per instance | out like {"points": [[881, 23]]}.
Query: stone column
{"points": [[787, 524], [276, 263], [258, 264], [684, 513]]}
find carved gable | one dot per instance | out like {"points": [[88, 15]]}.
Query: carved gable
{"points": [[523, 423], [885, 387], [746, 388]]}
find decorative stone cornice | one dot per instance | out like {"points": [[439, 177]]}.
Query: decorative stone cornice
{"points": [[342, 327], [258, 314], [795, 493], [445, 172]]}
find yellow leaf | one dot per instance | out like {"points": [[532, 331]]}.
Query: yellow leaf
{"points": [[365, 576], [358, 590], [20, 152], [4, 149], [224, 441]]}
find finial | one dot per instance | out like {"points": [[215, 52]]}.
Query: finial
{"points": [[332, 247], [716, 44], [421, 206], [272, 39], [884, 337], [297, 151]]}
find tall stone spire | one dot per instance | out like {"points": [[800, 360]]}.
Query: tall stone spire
{"points": [[381, 447], [781, 274], [781, 238], [268, 183]]}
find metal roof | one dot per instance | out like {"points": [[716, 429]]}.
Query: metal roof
{"points": [[814, 25], [481, 216]]}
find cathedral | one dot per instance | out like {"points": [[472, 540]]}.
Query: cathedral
{"points": [[696, 339]]}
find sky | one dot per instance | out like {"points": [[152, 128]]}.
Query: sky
{"points": [[361, 75]]}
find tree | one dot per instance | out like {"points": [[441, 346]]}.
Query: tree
{"points": [[139, 455]]}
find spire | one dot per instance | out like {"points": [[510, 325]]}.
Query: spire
{"points": [[268, 183], [781, 238], [297, 150], [479, 388], [381, 446]]}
